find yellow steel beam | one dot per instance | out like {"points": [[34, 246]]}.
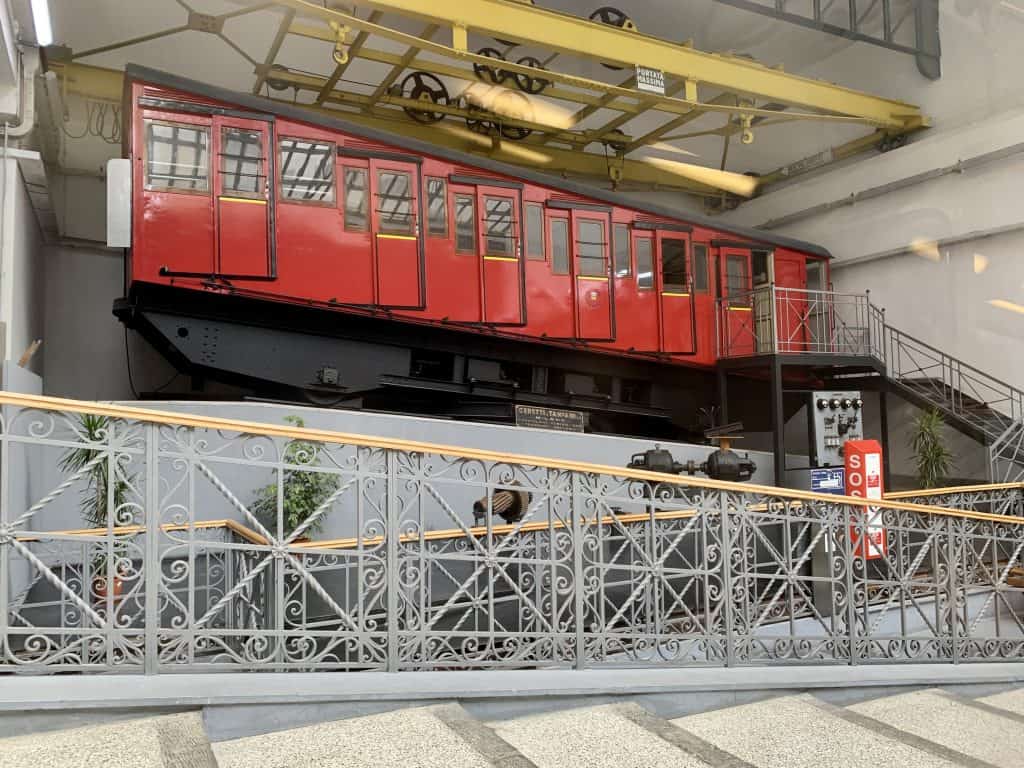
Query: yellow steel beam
{"points": [[601, 42], [545, 158], [912, 116]]}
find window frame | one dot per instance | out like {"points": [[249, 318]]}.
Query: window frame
{"points": [[410, 229], [444, 201], [333, 165], [261, 160], [601, 244], [673, 287], [650, 255], [509, 250], [542, 254], [366, 213], [206, 128], [694, 271], [475, 251], [567, 224], [619, 227]]}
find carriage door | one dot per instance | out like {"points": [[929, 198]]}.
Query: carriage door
{"points": [[394, 210], [244, 171], [791, 300], [501, 255], [736, 318], [675, 294], [594, 313]]}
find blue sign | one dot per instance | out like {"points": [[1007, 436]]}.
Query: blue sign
{"points": [[829, 481]]}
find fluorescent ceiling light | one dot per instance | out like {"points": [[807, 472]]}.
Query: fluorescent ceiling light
{"points": [[41, 20]]}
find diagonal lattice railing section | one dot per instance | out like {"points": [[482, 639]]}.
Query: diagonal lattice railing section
{"points": [[232, 546], [71, 602], [779, 320], [1002, 498]]}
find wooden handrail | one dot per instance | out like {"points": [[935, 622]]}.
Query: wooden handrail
{"points": [[955, 489], [176, 419]]}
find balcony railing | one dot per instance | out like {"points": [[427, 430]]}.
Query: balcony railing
{"points": [[775, 320], [227, 546]]}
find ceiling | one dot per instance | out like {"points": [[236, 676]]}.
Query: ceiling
{"points": [[230, 59]]}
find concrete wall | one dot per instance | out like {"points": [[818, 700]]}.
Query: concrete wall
{"points": [[22, 273]]}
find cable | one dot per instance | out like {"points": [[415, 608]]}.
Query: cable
{"points": [[131, 382]]}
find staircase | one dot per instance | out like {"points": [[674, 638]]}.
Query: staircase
{"points": [[924, 728], [837, 329], [980, 405]]}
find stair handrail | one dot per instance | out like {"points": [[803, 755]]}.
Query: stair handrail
{"points": [[946, 362]]}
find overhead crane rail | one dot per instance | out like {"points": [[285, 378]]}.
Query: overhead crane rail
{"points": [[533, 58]]}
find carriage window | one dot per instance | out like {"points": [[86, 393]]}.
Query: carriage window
{"points": [[356, 209], [644, 263], [241, 163], [590, 246], [762, 273], [465, 224], [307, 171], [534, 231], [560, 246], [737, 279], [499, 226], [700, 268], [177, 157], [673, 265], [437, 207], [620, 233], [394, 202], [815, 276]]}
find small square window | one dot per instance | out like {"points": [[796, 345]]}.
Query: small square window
{"points": [[437, 207], [307, 171], [356, 200], [177, 157]]}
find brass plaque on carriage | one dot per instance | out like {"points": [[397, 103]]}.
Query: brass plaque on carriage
{"points": [[550, 418]]}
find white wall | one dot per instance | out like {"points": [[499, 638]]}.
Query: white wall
{"points": [[85, 344], [22, 273]]}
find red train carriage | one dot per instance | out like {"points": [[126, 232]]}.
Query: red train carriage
{"points": [[297, 253]]}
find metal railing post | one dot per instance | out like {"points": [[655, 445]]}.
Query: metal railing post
{"points": [[576, 516], [728, 609], [851, 606], [391, 539], [152, 566], [953, 591], [5, 514], [773, 317]]}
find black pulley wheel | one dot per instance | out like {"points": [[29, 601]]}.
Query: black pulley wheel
{"points": [[493, 75], [425, 87], [613, 17], [528, 83]]}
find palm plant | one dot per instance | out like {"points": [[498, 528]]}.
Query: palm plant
{"points": [[98, 491], [933, 458], [304, 490]]}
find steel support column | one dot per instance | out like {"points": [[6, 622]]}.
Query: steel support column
{"points": [[778, 422]]}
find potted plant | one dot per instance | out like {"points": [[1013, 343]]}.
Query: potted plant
{"points": [[94, 499], [304, 490], [933, 457]]}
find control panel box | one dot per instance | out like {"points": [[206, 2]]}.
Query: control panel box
{"points": [[835, 417]]}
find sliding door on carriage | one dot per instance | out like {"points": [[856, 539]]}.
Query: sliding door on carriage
{"points": [[736, 321], [595, 318], [395, 224], [675, 290], [501, 265], [243, 175]]}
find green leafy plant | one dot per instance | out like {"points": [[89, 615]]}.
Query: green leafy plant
{"points": [[931, 454], [99, 499], [303, 490]]}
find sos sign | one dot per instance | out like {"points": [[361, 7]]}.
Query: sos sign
{"points": [[863, 459]]}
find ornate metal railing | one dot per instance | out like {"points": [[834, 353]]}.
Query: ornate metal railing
{"points": [[776, 320], [995, 498], [236, 546]]}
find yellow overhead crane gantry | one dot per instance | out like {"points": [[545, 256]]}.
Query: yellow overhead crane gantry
{"points": [[673, 85]]}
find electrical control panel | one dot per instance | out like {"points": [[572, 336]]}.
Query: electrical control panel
{"points": [[835, 417]]}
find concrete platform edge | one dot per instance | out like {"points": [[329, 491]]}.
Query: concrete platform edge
{"points": [[65, 692]]}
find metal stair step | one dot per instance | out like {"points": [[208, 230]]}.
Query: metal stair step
{"points": [[400, 739], [802, 732], [169, 741], [594, 737], [953, 722]]}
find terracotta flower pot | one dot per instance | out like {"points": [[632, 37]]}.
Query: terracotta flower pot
{"points": [[99, 587]]}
